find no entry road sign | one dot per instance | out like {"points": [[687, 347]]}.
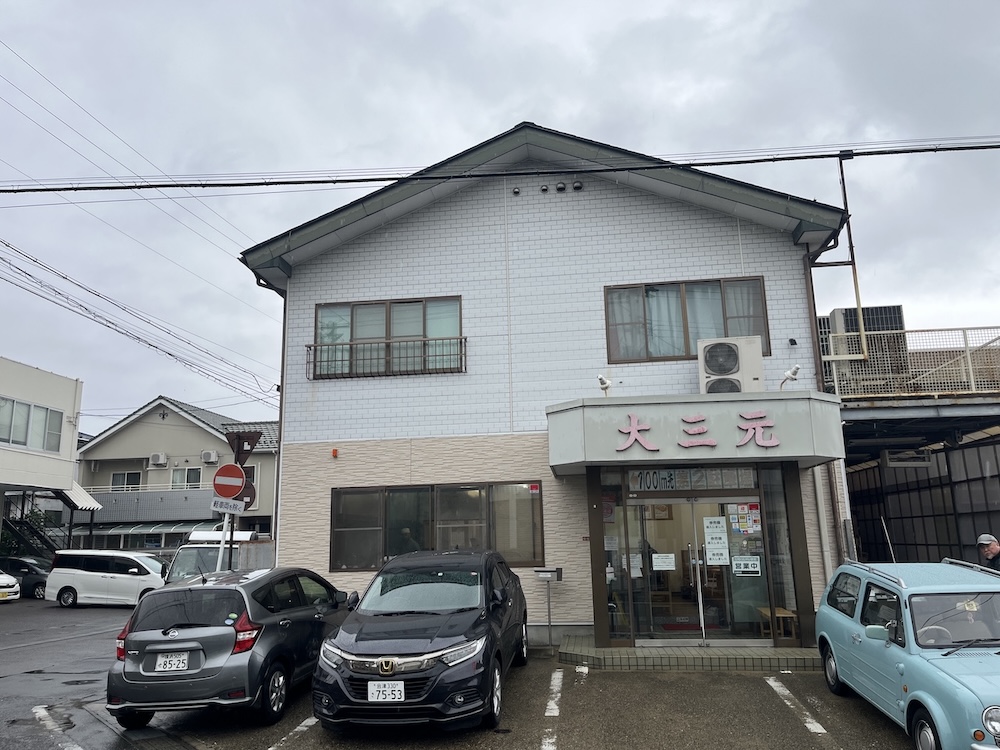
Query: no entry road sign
{"points": [[229, 480]]}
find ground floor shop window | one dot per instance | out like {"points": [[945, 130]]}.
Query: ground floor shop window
{"points": [[370, 525]]}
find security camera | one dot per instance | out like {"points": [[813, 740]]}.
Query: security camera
{"points": [[792, 374], [603, 382]]}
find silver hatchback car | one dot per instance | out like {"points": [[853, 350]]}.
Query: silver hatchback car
{"points": [[233, 638]]}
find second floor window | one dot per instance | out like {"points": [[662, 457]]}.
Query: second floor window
{"points": [[665, 321], [29, 425], [125, 480], [402, 337], [187, 478]]}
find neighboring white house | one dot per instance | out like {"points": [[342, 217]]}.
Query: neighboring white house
{"points": [[443, 342], [39, 413], [153, 470]]}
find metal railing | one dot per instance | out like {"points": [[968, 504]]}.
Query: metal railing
{"points": [[385, 357], [947, 361]]}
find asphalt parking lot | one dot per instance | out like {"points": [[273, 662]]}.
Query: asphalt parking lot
{"points": [[53, 662]]}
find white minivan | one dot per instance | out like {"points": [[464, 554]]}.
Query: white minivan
{"points": [[98, 576]]}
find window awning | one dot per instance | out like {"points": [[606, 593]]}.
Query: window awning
{"points": [[77, 498], [148, 528]]}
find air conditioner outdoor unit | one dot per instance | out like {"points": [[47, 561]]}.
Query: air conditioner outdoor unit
{"points": [[210, 457], [731, 365], [157, 459]]}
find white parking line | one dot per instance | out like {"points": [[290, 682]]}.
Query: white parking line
{"points": [[555, 692], [810, 723], [298, 730], [42, 715], [552, 709]]}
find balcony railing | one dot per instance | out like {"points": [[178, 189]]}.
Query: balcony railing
{"points": [[153, 502], [948, 361], [384, 357]]}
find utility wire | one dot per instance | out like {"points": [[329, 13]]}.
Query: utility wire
{"points": [[198, 359], [567, 167], [118, 138]]}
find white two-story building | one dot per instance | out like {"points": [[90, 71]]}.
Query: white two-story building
{"points": [[444, 339]]}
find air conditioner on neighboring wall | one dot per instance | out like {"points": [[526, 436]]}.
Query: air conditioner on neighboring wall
{"points": [[157, 459], [732, 365], [210, 457]]}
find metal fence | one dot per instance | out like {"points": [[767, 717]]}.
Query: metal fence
{"points": [[915, 362], [366, 359]]}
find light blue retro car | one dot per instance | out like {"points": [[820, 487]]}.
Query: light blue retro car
{"points": [[921, 642]]}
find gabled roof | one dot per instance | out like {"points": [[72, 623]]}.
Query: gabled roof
{"points": [[811, 224], [268, 433], [211, 421]]}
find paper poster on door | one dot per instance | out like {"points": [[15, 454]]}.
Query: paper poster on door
{"points": [[716, 540], [664, 561]]}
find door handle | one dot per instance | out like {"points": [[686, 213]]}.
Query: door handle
{"points": [[856, 637], [284, 623]]}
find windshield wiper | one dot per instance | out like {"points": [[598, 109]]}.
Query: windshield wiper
{"points": [[462, 609], [972, 642], [180, 625], [403, 612]]}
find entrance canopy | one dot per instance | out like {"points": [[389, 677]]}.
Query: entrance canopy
{"points": [[800, 426], [77, 498]]}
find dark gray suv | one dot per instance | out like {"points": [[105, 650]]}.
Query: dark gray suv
{"points": [[233, 638]]}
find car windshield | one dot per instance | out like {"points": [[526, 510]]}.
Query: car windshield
{"points": [[173, 608], [422, 590], [946, 620], [190, 561], [40, 566]]}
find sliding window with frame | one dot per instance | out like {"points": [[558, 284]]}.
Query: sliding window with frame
{"points": [[29, 425], [371, 525], [395, 337], [647, 322]]}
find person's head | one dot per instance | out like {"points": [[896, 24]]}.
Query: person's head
{"points": [[405, 532], [989, 547]]}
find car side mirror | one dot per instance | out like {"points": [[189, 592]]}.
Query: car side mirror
{"points": [[877, 632], [340, 597], [353, 600], [499, 596], [133, 571]]}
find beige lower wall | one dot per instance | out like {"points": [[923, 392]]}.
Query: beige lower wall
{"points": [[309, 473], [825, 549]]}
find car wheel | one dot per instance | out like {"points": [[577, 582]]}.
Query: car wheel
{"points": [[134, 719], [275, 696], [495, 699], [521, 657], [923, 732], [38, 591], [831, 673], [67, 597]]}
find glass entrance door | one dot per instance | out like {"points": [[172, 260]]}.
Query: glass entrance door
{"points": [[697, 569]]}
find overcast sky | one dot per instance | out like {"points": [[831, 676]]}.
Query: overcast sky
{"points": [[104, 89]]}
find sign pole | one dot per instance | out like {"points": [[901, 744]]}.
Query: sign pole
{"points": [[232, 539], [226, 520]]}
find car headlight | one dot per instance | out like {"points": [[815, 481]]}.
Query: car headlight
{"points": [[457, 655], [991, 720], [332, 656]]}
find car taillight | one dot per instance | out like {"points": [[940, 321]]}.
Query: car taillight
{"points": [[120, 642], [246, 634]]}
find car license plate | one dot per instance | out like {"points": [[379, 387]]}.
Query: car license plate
{"points": [[385, 692], [3, 594], [172, 662]]}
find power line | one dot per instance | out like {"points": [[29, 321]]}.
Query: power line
{"points": [[568, 167]]}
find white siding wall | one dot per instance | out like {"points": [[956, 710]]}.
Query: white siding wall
{"points": [[531, 270]]}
